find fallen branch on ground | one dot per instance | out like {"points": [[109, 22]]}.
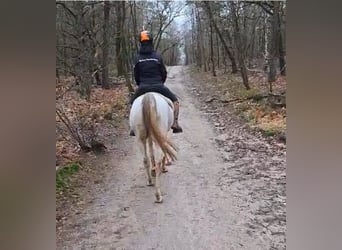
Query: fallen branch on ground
{"points": [[273, 99], [73, 130], [254, 97]]}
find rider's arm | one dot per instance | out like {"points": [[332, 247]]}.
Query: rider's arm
{"points": [[136, 72], [163, 70]]}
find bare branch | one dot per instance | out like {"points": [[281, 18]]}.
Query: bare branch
{"points": [[170, 47], [63, 4]]}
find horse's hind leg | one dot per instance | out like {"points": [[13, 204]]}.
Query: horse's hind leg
{"points": [[152, 158], [167, 161], [156, 170], [163, 163], [147, 164], [147, 167], [159, 197]]}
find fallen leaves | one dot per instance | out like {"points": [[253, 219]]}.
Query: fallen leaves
{"points": [[254, 104], [273, 121], [86, 117]]}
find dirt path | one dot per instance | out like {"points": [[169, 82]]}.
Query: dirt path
{"points": [[215, 197]]}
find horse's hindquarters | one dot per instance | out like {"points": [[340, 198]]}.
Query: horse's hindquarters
{"points": [[164, 109], [164, 112], [151, 117]]}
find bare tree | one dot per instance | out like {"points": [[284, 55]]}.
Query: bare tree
{"points": [[96, 37], [280, 16], [239, 46], [244, 33], [225, 46], [105, 47], [274, 45], [120, 20], [212, 50]]}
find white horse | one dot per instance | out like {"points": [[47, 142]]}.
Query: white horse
{"points": [[150, 118]]}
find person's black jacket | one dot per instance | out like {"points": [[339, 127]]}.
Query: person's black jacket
{"points": [[149, 68]]}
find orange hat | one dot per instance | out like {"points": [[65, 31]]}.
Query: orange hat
{"points": [[145, 36]]}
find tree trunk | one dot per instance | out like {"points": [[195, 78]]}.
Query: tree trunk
{"points": [[199, 41], [194, 54], [84, 62], [97, 61], [239, 46], [105, 46], [218, 51], [134, 21], [225, 46], [126, 60], [282, 62], [119, 11], [273, 48], [212, 50], [65, 56], [266, 42]]}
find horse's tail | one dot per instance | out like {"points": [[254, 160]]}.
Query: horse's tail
{"points": [[152, 129]]}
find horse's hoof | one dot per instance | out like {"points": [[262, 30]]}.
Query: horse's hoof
{"points": [[150, 184], [165, 170], [176, 130], [168, 163], [159, 200]]}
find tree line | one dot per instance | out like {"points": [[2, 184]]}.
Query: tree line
{"points": [[239, 36], [98, 39]]}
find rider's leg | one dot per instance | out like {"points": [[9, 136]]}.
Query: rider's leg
{"points": [[167, 93], [175, 126], [131, 132]]}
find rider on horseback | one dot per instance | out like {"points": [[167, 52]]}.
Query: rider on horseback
{"points": [[150, 75]]}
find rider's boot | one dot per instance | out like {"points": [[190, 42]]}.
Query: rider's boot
{"points": [[175, 126]]}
